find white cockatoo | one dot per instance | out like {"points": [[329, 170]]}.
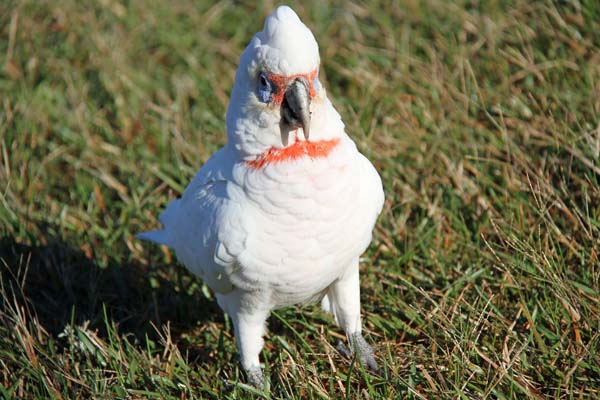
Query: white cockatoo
{"points": [[280, 215]]}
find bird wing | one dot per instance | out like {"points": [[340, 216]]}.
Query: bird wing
{"points": [[205, 226]]}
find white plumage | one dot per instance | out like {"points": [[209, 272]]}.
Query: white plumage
{"points": [[279, 215]]}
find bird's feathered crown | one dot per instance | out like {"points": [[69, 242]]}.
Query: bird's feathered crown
{"points": [[284, 46]]}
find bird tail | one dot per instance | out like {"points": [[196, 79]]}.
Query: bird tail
{"points": [[158, 236], [166, 218]]}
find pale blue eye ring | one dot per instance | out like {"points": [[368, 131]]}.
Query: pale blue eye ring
{"points": [[316, 83], [265, 89]]}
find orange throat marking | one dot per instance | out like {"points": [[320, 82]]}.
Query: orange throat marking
{"points": [[320, 149]]}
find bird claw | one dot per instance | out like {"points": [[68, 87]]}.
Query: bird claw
{"points": [[365, 351], [255, 377], [343, 349]]}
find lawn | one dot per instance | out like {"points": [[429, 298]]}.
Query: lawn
{"points": [[483, 277]]}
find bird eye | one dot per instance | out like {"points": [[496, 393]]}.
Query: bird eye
{"points": [[264, 91]]}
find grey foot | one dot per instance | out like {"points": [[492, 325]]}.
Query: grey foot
{"points": [[255, 377], [365, 351]]}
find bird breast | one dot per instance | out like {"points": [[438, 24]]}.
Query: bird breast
{"points": [[307, 219]]}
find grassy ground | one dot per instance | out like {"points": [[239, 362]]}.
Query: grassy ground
{"points": [[482, 281]]}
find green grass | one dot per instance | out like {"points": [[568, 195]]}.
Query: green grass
{"points": [[482, 280]]}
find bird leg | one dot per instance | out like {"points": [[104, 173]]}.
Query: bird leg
{"points": [[249, 327], [343, 299], [249, 331]]}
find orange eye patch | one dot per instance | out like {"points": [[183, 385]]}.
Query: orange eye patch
{"points": [[280, 82]]}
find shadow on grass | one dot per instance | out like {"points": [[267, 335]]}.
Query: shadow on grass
{"points": [[60, 285]]}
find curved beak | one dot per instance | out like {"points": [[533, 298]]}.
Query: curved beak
{"points": [[295, 107]]}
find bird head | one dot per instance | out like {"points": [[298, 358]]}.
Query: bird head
{"points": [[277, 87]]}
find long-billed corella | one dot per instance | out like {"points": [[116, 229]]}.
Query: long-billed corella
{"points": [[280, 215]]}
